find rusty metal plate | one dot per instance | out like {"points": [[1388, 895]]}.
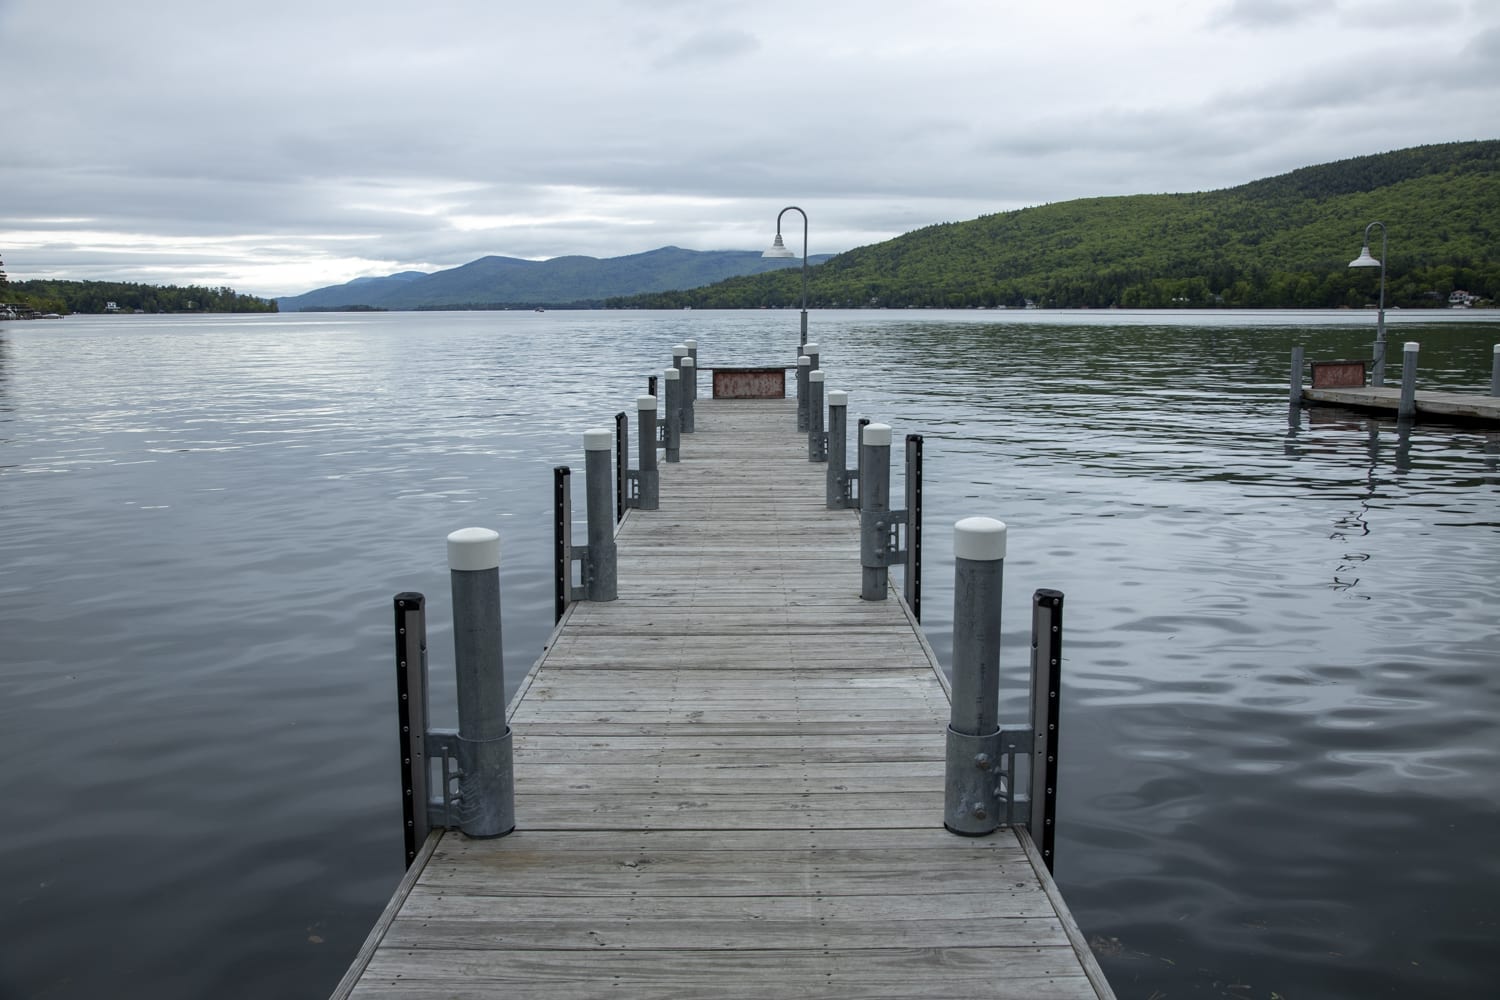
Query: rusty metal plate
{"points": [[1338, 374], [749, 383]]}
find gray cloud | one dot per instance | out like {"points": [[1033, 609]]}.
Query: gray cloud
{"points": [[1272, 13], [290, 145], [712, 47]]}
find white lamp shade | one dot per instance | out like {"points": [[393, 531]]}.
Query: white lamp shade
{"points": [[778, 249], [1364, 259]]}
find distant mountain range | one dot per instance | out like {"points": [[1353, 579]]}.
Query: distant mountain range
{"points": [[510, 282]]}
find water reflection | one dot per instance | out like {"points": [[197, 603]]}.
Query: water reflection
{"points": [[1280, 671]]}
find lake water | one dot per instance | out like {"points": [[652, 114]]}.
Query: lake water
{"points": [[1281, 726]]}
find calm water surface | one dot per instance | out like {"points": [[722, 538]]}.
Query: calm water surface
{"points": [[1281, 750]]}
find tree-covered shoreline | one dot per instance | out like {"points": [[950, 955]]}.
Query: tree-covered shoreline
{"points": [[66, 296]]}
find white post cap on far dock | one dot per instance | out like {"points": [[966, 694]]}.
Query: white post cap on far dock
{"points": [[838, 397], [877, 435], [598, 439], [645, 402]]}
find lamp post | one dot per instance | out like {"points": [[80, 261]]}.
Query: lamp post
{"points": [[1377, 374], [778, 249]]}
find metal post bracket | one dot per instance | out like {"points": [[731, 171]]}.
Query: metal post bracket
{"points": [[443, 809], [881, 536], [974, 778]]}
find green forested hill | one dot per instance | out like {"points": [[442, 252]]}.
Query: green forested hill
{"points": [[1280, 242]]}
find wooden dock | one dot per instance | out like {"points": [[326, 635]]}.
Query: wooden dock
{"points": [[1433, 405], [729, 782]]}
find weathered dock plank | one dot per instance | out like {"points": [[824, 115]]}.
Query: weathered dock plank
{"points": [[1387, 399], [729, 782]]}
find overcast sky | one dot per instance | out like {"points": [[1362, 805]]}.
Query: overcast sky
{"points": [[281, 145]]}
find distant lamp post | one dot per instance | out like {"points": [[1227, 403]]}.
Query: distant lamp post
{"points": [[779, 250], [1377, 374]]}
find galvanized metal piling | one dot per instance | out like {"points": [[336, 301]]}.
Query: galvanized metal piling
{"points": [[817, 441], [689, 373], [679, 351], [599, 558], [692, 346], [1408, 407], [672, 419], [874, 507], [972, 787], [1495, 373], [1297, 364], [486, 782], [804, 368], [1046, 690], [837, 489], [647, 476], [814, 359]]}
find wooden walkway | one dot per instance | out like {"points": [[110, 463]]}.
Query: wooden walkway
{"points": [[1387, 399], [729, 782]]}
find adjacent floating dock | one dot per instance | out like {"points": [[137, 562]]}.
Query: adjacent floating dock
{"points": [[1387, 399], [729, 782], [1343, 383]]}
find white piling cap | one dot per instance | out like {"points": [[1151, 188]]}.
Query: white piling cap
{"points": [[688, 362], [877, 435], [672, 375], [804, 360], [474, 549], [645, 402], [816, 375], [981, 539], [598, 439], [1497, 348], [679, 350], [809, 348], [838, 397], [1412, 347], [691, 344]]}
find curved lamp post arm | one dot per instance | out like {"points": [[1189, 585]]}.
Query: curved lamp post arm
{"points": [[794, 208]]}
